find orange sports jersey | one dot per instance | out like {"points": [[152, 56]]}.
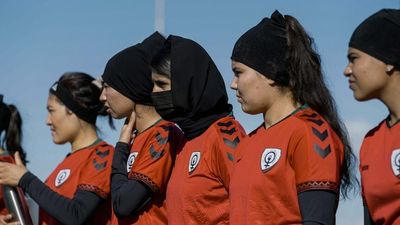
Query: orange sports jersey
{"points": [[4, 158], [197, 192], [274, 165], [380, 173], [86, 169], [151, 161]]}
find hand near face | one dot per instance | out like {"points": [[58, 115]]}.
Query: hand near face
{"points": [[6, 220], [10, 174], [127, 129]]}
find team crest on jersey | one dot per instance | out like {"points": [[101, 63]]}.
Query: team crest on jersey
{"points": [[131, 160], [62, 176], [395, 161], [269, 158], [194, 161]]}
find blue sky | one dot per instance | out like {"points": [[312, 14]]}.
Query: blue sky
{"points": [[40, 40]]}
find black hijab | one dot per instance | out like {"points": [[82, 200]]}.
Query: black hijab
{"points": [[198, 90], [129, 71]]}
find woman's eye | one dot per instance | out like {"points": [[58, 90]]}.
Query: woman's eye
{"points": [[160, 83]]}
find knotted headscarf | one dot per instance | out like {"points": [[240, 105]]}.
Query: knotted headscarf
{"points": [[263, 48], [379, 36]]}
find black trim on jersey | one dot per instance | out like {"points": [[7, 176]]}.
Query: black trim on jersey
{"points": [[321, 135], [67, 211], [102, 154], [128, 196], [387, 120], [232, 144], [323, 152], [367, 217], [161, 140], [227, 124], [230, 132], [230, 156], [318, 207], [319, 122]]}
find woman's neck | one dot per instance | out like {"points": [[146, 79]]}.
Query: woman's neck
{"points": [[279, 110], [145, 118], [390, 97], [86, 136]]}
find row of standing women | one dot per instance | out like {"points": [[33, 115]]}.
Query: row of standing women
{"points": [[183, 158]]}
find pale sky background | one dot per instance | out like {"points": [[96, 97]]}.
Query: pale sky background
{"points": [[42, 39]]}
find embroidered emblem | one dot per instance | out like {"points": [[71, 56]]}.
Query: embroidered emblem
{"points": [[62, 176], [194, 161], [131, 160], [269, 158], [395, 161]]}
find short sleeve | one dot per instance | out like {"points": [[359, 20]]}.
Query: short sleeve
{"points": [[95, 175], [153, 164], [316, 154], [229, 134]]}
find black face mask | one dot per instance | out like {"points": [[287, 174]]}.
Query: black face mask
{"points": [[163, 103]]}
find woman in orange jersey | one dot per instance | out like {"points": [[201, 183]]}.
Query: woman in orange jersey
{"points": [[77, 191], [11, 131], [141, 165], [190, 91], [374, 73], [290, 169]]}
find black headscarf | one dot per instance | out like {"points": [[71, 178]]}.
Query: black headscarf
{"points": [[379, 36], [129, 71], [5, 115], [264, 47], [198, 89]]}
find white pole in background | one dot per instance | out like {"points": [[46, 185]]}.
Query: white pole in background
{"points": [[159, 21]]}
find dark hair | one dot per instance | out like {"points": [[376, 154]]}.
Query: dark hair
{"points": [[13, 134], [161, 63], [85, 92], [307, 85]]}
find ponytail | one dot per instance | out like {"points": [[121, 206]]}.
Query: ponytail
{"points": [[85, 92], [307, 84], [13, 135]]}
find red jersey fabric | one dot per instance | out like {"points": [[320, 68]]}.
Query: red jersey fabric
{"points": [[380, 173], [86, 169], [197, 192], [274, 165], [4, 158], [151, 162]]}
